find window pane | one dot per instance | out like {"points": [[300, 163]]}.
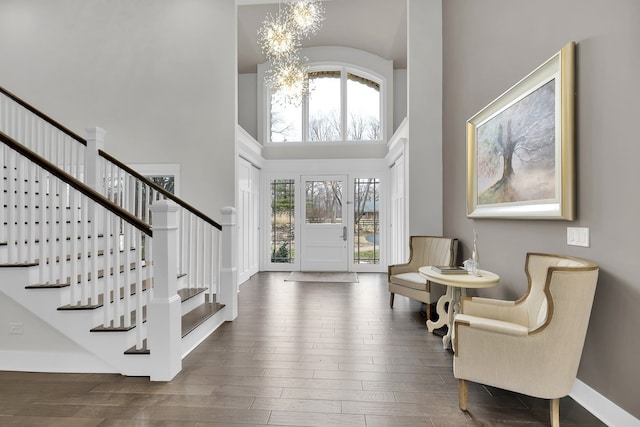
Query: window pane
{"points": [[168, 182], [366, 221], [324, 106], [323, 202], [286, 121], [282, 220], [363, 109]]}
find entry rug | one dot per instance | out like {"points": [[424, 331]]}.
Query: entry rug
{"points": [[322, 276]]}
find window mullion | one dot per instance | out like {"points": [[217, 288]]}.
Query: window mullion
{"points": [[305, 118], [343, 103]]}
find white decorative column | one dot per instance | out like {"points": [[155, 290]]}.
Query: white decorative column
{"points": [[165, 311], [229, 264], [92, 173]]}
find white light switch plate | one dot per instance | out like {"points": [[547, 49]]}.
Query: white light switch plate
{"points": [[578, 236]]}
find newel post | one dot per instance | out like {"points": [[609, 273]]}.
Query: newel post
{"points": [[93, 174], [228, 263], [164, 325]]}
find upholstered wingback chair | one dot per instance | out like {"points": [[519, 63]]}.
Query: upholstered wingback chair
{"points": [[533, 345], [404, 279]]}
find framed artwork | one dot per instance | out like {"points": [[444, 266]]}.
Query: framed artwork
{"points": [[520, 147]]}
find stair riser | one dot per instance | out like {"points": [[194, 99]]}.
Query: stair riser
{"points": [[43, 304], [192, 303]]}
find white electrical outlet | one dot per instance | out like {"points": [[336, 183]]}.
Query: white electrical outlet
{"points": [[578, 236], [16, 328]]}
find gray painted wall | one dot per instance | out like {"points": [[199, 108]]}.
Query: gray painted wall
{"points": [[158, 75], [424, 110], [489, 45]]}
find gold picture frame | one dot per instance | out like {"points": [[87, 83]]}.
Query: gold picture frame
{"points": [[520, 147]]}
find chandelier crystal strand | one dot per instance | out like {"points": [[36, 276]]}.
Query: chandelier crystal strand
{"points": [[289, 78], [277, 37], [306, 15]]}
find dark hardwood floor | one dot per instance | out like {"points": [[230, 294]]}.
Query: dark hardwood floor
{"points": [[299, 354]]}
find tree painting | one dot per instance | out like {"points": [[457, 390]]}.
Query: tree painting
{"points": [[516, 150]]}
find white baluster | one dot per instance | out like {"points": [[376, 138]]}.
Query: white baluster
{"points": [[139, 294], [11, 205], [117, 307], [32, 216], [189, 247], [127, 274], [3, 187], [64, 213], [74, 233], [181, 239], [196, 255], [42, 243], [94, 254], [20, 210], [84, 252], [57, 256], [106, 281], [51, 229], [215, 259]]}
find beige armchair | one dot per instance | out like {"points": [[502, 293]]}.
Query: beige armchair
{"points": [[404, 279], [533, 345]]}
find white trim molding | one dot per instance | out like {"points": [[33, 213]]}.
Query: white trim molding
{"points": [[248, 148], [601, 407]]}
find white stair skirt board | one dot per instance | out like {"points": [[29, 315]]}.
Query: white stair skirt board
{"points": [[322, 276]]}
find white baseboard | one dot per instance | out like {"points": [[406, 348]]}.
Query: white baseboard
{"points": [[601, 407], [47, 361]]}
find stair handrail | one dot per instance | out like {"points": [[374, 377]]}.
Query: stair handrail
{"points": [[77, 184], [111, 159], [159, 189], [43, 116]]}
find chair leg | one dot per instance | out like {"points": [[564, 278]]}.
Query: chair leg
{"points": [[462, 394], [391, 297], [554, 412]]}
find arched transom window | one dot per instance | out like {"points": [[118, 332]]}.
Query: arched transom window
{"points": [[343, 105]]}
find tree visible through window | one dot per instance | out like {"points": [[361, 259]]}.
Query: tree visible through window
{"points": [[363, 109], [324, 106], [366, 239], [282, 220], [342, 106], [323, 202]]}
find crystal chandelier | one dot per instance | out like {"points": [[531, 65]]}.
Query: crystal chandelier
{"points": [[277, 37], [289, 79], [307, 16], [280, 38]]}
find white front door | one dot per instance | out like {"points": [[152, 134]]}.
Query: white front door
{"points": [[324, 231]]}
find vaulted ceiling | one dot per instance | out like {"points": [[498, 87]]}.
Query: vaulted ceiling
{"points": [[376, 26]]}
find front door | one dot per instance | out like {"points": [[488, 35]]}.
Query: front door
{"points": [[324, 231]]}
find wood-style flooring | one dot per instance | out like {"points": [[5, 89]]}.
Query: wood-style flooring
{"points": [[299, 354]]}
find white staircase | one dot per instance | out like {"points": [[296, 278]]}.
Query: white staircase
{"points": [[80, 257]]}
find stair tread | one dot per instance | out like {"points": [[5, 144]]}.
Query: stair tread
{"points": [[188, 293], [70, 307], [199, 315], [112, 328], [143, 350], [48, 286], [19, 264]]}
